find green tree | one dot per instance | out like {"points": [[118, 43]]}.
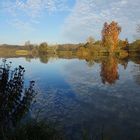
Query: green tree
{"points": [[43, 48], [135, 46]]}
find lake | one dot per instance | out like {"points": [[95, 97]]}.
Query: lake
{"points": [[100, 98]]}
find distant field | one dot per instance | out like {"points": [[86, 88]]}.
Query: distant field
{"points": [[22, 52]]}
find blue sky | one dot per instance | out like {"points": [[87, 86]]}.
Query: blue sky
{"points": [[64, 21]]}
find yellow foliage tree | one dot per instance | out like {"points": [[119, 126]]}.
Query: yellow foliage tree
{"points": [[110, 35]]}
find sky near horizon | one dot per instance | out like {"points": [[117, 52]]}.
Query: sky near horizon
{"points": [[64, 21]]}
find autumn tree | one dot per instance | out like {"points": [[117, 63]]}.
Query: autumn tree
{"points": [[124, 44], [110, 35]]}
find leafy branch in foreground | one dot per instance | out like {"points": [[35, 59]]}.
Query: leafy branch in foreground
{"points": [[14, 99]]}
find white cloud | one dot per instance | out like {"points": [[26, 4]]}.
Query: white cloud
{"points": [[88, 16], [27, 13], [34, 8]]}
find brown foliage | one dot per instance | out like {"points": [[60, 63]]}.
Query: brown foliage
{"points": [[123, 44], [110, 35], [109, 70]]}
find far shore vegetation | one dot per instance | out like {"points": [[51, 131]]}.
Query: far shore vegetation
{"points": [[109, 44]]}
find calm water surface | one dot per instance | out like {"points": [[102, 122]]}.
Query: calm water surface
{"points": [[99, 99]]}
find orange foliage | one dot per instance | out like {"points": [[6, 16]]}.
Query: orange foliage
{"points": [[109, 70], [110, 35]]}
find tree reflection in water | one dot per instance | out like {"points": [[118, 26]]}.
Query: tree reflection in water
{"points": [[14, 99], [109, 70]]}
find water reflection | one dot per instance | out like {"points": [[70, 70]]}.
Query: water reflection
{"points": [[109, 70], [44, 59]]}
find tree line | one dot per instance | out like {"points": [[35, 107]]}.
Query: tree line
{"points": [[110, 42]]}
